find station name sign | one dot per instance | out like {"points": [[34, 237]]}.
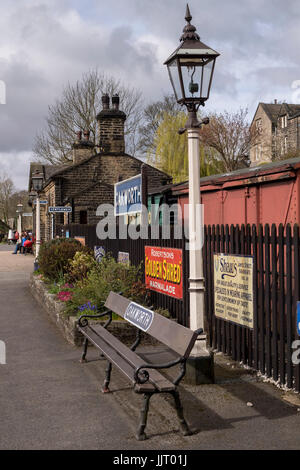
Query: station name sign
{"points": [[128, 196], [163, 270], [58, 210], [43, 203], [139, 316], [233, 288]]}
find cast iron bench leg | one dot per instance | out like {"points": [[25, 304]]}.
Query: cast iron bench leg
{"points": [[107, 378], [85, 346], [141, 436], [183, 424]]}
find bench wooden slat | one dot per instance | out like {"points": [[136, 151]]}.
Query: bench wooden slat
{"points": [[156, 378], [177, 337], [125, 359]]}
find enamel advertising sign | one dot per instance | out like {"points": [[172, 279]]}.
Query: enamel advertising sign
{"points": [[163, 270], [233, 289]]}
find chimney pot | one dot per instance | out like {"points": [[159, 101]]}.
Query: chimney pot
{"points": [[105, 101], [86, 134], [275, 101], [116, 102], [79, 136]]}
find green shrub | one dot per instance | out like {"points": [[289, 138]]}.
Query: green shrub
{"points": [[54, 257], [105, 277], [79, 267]]}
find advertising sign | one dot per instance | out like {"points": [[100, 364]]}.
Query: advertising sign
{"points": [[233, 288], [99, 253], [128, 196], [123, 257], [163, 270]]}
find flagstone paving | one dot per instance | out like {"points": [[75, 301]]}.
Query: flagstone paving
{"points": [[49, 400]]}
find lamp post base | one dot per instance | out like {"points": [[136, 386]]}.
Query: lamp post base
{"points": [[200, 369]]}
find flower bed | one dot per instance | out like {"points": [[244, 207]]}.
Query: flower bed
{"points": [[79, 285]]}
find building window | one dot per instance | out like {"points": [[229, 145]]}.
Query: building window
{"points": [[83, 220], [285, 145]]}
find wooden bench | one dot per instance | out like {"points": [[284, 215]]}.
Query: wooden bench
{"points": [[144, 376]]}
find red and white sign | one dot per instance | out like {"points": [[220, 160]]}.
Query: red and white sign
{"points": [[163, 270]]}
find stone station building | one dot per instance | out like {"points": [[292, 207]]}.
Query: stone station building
{"points": [[89, 180]]}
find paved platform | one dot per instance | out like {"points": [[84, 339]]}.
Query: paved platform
{"points": [[14, 263], [49, 400]]}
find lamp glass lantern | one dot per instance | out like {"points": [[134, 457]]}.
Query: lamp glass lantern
{"points": [[19, 208], [191, 68], [37, 181]]}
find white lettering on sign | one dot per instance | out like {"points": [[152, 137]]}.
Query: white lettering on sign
{"points": [[139, 316], [128, 196]]}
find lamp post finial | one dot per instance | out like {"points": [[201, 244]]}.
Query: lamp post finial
{"points": [[189, 31], [188, 15]]}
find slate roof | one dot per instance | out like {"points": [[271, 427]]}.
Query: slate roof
{"points": [[274, 110]]}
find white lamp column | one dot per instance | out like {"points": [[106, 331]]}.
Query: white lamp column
{"points": [[196, 223], [38, 227]]}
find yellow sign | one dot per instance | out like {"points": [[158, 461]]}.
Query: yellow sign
{"points": [[233, 288]]}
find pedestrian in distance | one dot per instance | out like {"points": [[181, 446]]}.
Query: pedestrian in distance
{"points": [[19, 244]]}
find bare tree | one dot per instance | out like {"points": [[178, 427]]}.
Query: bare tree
{"points": [[153, 116], [77, 110], [231, 136], [6, 191]]}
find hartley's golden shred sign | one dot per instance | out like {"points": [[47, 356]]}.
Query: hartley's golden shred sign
{"points": [[233, 288], [163, 270]]}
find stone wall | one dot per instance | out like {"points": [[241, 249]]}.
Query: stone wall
{"points": [[91, 183]]}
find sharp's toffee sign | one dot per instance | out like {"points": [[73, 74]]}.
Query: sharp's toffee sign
{"points": [[163, 270]]}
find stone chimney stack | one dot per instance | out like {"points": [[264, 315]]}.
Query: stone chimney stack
{"points": [[111, 127], [82, 148]]}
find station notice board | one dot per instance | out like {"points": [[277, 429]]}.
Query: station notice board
{"points": [[233, 288], [163, 270]]}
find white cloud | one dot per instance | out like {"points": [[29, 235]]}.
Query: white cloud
{"points": [[16, 165], [46, 43]]}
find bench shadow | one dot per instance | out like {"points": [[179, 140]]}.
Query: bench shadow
{"points": [[264, 403], [201, 417]]}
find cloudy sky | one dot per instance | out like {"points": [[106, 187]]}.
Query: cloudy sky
{"points": [[46, 43]]}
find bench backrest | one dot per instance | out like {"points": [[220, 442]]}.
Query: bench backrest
{"points": [[177, 337]]}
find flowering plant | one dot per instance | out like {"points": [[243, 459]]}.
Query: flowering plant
{"points": [[88, 306], [64, 296], [68, 286]]}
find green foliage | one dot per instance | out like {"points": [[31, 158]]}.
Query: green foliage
{"points": [[171, 150], [79, 267], [105, 277], [164, 312], [54, 257]]}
